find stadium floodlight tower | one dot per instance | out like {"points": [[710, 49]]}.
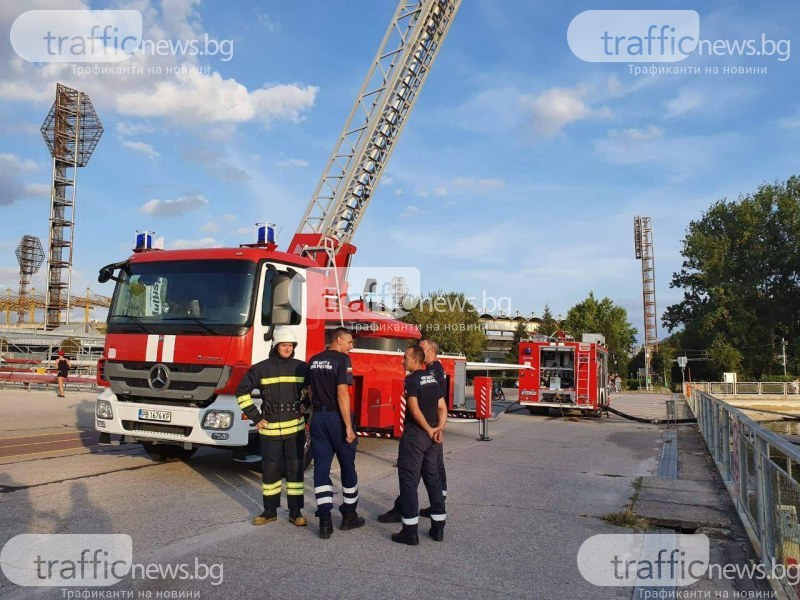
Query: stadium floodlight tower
{"points": [[71, 130], [30, 256], [643, 244]]}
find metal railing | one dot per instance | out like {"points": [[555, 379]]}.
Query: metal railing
{"points": [[761, 470], [748, 388]]}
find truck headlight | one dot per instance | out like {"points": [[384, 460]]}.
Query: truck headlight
{"points": [[103, 410], [218, 419]]}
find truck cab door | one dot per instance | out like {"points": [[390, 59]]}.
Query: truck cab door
{"points": [[281, 302]]}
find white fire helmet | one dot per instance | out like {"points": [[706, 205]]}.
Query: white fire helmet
{"points": [[283, 334]]}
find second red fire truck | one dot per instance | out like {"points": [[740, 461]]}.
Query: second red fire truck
{"points": [[564, 373]]}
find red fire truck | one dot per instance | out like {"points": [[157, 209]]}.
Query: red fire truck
{"points": [[564, 373], [185, 325]]}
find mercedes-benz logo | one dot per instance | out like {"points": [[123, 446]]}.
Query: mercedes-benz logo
{"points": [[158, 379]]}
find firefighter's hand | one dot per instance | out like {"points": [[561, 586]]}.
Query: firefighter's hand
{"points": [[349, 435], [437, 433], [262, 424]]}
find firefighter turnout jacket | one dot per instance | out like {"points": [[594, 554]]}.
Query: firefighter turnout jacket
{"points": [[282, 383]]}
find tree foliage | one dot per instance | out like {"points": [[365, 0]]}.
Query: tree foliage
{"points": [[741, 281], [451, 320], [549, 323], [520, 333], [593, 316]]}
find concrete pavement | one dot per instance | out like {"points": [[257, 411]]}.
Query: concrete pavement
{"points": [[519, 508]]}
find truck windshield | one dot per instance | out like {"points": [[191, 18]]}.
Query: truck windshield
{"points": [[201, 297]]}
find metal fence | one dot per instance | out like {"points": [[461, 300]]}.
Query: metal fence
{"points": [[748, 388], [761, 470]]}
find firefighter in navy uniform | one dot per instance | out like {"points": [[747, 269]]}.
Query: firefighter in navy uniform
{"points": [[282, 381], [332, 432], [426, 414], [435, 368]]}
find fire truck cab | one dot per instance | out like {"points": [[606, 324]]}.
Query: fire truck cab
{"points": [[564, 373]]}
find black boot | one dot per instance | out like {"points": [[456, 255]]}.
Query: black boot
{"points": [[407, 535], [390, 516], [436, 532], [325, 527], [351, 520], [425, 512]]}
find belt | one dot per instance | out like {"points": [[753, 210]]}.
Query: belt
{"points": [[325, 408]]}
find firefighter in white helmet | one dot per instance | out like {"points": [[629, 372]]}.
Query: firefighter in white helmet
{"points": [[283, 383]]}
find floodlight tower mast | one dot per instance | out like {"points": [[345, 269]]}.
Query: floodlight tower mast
{"points": [[643, 244], [30, 256], [71, 130]]}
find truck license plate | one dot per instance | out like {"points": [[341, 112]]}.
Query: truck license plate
{"points": [[164, 416]]}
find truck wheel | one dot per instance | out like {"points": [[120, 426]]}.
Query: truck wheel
{"points": [[167, 452], [539, 410]]}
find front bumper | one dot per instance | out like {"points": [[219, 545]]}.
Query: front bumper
{"points": [[184, 426]]}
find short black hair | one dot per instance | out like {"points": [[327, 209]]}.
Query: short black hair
{"points": [[339, 332], [418, 353]]}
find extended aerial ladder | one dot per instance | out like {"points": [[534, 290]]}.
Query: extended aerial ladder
{"points": [[355, 166]]}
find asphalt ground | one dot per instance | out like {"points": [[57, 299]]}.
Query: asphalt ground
{"points": [[519, 508]]}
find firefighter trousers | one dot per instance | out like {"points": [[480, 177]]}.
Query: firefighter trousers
{"points": [[328, 440], [281, 457], [442, 474], [417, 458]]}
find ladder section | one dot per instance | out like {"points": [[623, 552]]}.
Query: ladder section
{"points": [[376, 120], [582, 379]]}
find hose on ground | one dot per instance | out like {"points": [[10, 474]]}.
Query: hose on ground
{"points": [[500, 414], [646, 420]]}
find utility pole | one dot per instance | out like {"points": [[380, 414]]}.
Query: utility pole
{"points": [[783, 347]]}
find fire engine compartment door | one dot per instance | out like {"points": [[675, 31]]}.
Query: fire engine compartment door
{"points": [[459, 383], [281, 302]]}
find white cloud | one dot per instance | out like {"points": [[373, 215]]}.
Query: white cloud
{"points": [[206, 242], [387, 180], [12, 187], [790, 123], [142, 147], [37, 189], [440, 191], [411, 211], [638, 135], [421, 192], [554, 109], [174, 207], [221, 166], [479, 186], [176, 87], [292, 162], [686, 101], [124, 128], [195, 97], [15, 162], [210, 227], [229, 217], [398, 192]]}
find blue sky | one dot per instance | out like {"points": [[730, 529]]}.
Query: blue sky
{"points": [[518, 174]]}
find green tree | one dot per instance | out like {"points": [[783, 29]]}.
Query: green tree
{"points": [[741, 281], [450, 319], [549, 323], [520, 333], [604, 317]]}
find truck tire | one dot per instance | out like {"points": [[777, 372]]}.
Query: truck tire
{"points": [[167, 452]]}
